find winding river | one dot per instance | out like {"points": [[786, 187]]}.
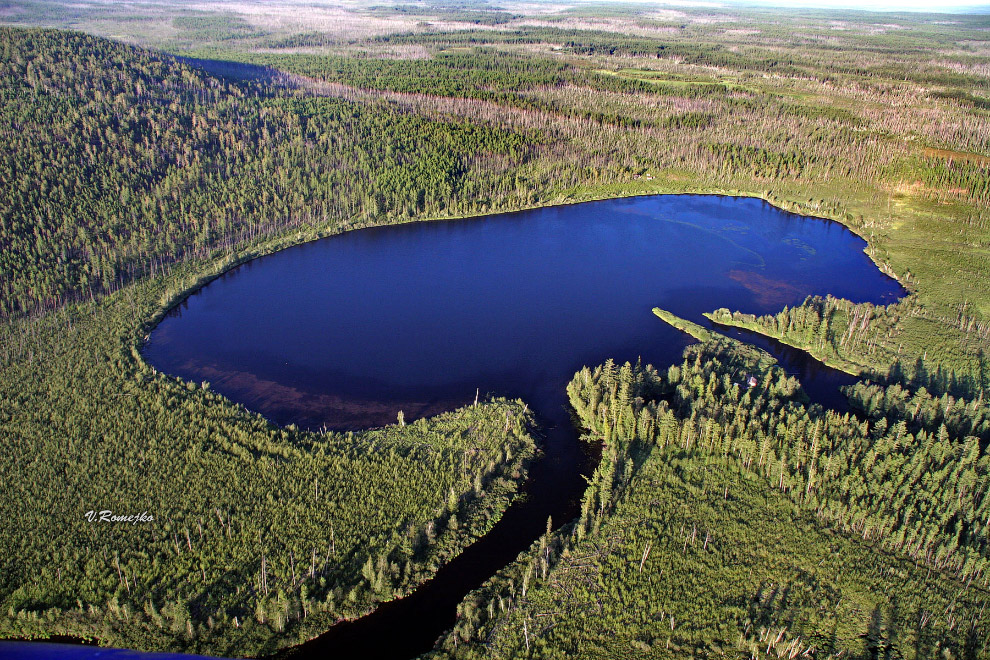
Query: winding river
{"points": [[345, 332]]}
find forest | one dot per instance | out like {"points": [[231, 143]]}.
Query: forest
{"points": [[875, 523], [261, 534], [148, 150]]}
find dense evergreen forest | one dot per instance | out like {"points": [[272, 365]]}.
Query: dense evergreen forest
{"points": [[729, 520], [724, 520], [160, 160]]}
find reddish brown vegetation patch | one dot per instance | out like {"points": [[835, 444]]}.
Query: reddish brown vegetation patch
{"points": [[774, 293], [964, 156], [311, 409]]}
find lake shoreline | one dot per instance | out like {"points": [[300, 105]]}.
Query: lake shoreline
{"points": [[220, 266], [196, 281], [713, 219]]}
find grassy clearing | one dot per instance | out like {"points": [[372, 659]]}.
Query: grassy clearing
{"points": [[683, 325]]}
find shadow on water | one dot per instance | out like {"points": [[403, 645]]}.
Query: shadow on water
{"points": [[234, 70]]}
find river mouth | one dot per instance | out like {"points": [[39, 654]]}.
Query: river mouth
{"points": [[345, 332]]}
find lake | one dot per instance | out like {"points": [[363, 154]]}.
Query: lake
{"points": [[345, 332]]}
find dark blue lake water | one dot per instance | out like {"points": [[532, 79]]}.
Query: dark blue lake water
{"points": [[347, 331]]}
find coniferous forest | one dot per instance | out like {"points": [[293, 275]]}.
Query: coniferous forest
{"points": [[737, 521], [149, 148]]}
